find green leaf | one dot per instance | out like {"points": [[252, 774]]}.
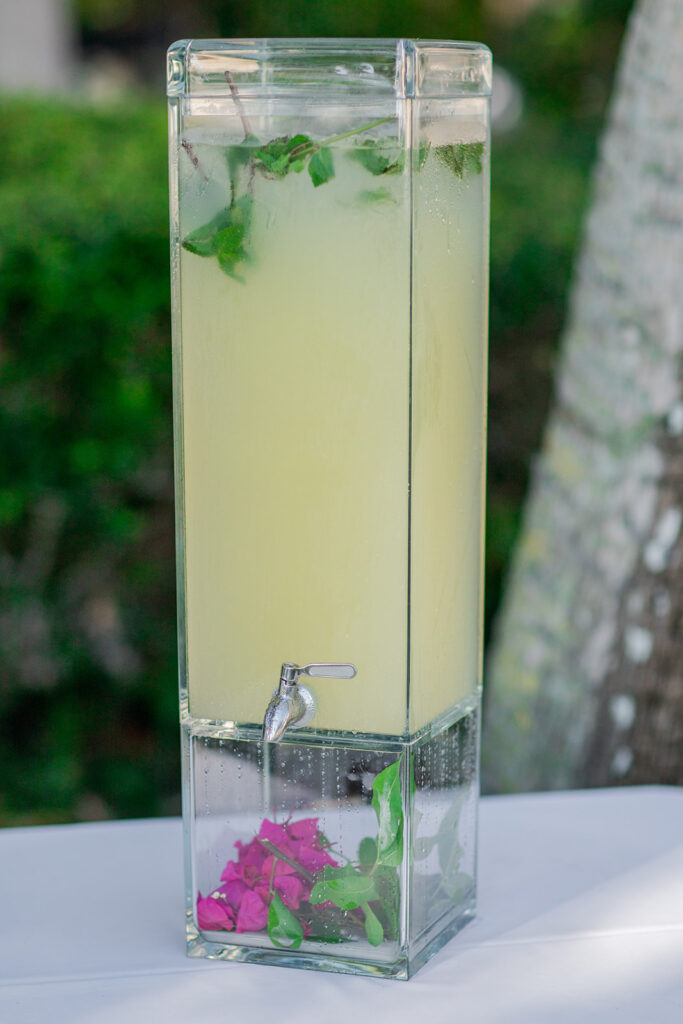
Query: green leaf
{"points": [[423, 846], [457, 885], [381, 156], [367, 851], [376, 195], [325, 925], [321, 166], [283, 154], [389, 888], [202, 241], [462, 157], [283, 928], [422, 154], [388, 805], [345, 887], [241, 211], [229, 248], [373, 928]]}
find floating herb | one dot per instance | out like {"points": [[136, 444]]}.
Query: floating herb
{"points": [[226, 235], [280, 156], [422, 154], [461, 157], [376, 195], [379, 156], [321, 166]]}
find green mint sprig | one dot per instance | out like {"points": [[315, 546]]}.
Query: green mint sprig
{"points": [[226, 236]]}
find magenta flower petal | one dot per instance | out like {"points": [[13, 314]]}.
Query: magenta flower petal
{"points": [[281, 867], [313, 859], [253, 913], [273, 833], [214, 914], [231, 872], [233, 891], [290, 890], [306, 829], [252, 853]]}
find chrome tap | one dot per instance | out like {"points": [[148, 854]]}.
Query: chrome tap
{"points": [[292, 705]]}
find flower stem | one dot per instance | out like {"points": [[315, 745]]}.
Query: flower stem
{"points": [[272, 848]]}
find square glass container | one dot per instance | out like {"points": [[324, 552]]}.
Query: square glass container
{"points": [[329, 232]]}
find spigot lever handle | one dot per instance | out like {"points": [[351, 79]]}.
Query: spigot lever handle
{"points": [[289, 673], [329, 670]]}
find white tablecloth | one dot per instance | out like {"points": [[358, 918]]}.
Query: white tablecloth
{"points": [[580, 920]]}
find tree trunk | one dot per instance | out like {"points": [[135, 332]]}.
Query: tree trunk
{"points": [[586, 673]]}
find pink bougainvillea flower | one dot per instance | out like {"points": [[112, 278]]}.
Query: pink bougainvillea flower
{"points": [[290, 889], [214, 914], [252, 854], [233, 891], [306, 829], [248, 868], [312, 858], [276, 834], [248, 883], [232, 872], [273, 865], [253, 913]]}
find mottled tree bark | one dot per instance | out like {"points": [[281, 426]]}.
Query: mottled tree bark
{"points": [[586, 673]]}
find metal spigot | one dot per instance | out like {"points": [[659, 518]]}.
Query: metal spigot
{"points": [[292, 705]]}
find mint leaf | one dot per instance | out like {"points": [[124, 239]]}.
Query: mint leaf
{"points": [[422, 154], [462, 157], [388, 805], [283, 928], [241, 211], [224, 236], [202, 241], [345, 887], [321, 166], [283, 154], [381, 156], [373, 928], [376, 195], [229, 248]]}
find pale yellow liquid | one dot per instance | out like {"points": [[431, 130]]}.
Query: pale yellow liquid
{"points": [[296, 408]]}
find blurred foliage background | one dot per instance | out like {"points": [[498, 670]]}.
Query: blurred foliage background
{"points": [[88, 693]]}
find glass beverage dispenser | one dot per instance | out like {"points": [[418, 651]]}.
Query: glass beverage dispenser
{"points": [[329, 250]]}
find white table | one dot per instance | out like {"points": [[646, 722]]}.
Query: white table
{"points": [[580, 920]]}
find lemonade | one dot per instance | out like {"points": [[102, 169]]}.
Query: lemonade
{"points": [[332, 369]]}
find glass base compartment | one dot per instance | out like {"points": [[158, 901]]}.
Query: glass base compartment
{"points": [[342, 852]]}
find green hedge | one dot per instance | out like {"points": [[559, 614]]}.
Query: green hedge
{"points": [[87, 691], [88, 706]]}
